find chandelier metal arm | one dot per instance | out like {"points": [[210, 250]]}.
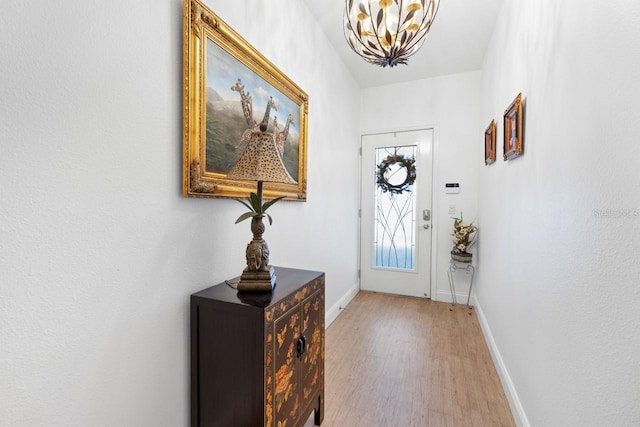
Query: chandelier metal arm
{"points": [[414, 39], [365, 46], [377, 28], [400, 9], [418, 36], [355, 33]]}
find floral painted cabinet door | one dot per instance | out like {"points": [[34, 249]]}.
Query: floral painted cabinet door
{"points": [[294, 361], [312, 363], [287, 395]]}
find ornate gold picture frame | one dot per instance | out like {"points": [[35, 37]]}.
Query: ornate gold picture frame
{"points": [[490, 143], [229, 88], [513, 126]]}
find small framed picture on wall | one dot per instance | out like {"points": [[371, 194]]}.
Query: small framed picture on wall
{"points": [[490, 143], [513, 129]]}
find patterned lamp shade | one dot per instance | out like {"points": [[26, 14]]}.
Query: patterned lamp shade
{"points": [[388, 32], [261, 161]]}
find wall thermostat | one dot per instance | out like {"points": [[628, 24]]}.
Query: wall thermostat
{"points": [[452, 188]]}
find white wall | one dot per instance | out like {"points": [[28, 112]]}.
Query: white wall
{"points": [[450, 105], [99, 251], [560, 226]]}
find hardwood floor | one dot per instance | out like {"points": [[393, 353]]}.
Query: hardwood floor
{"points": [[401, 362]]}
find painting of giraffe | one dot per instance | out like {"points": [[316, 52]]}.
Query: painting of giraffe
{"points": [[238, 99], [229, 91]]}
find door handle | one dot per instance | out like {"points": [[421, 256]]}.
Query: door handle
{"points": [[426, 216], [301, 346]]}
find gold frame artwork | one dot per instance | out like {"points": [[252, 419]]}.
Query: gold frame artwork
{"points": [[513, 125], [228, 86], [490, 143]]}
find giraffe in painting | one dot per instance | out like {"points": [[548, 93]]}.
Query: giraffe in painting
{"points": [[247, 103], [265, 120], [281, 137], [247, 109]]}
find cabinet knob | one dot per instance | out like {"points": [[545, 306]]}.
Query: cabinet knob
{"points": [[301, 346]]}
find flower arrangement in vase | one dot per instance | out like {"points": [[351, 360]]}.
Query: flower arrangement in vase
{"points": [[462, 240]]}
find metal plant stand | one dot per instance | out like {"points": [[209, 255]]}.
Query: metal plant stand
{"points": [[469, 268]]}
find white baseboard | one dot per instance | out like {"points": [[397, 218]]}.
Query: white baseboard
{"points": [[334, 311], [517, 410]]}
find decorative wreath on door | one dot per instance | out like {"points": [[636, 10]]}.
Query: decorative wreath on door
{"points": [[396, 173]]}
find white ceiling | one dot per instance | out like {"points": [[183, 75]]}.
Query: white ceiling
{"points": [[456, 42]]}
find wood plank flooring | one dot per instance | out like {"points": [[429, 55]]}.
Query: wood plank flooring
{"points": [[407, 362]]}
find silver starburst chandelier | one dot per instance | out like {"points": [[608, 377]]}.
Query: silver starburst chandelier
{"points": [[388, 32]]}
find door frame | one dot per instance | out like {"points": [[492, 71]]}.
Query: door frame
{"points": [[435, 174]]}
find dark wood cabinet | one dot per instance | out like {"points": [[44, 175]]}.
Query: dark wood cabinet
{"points": [[258, 359]]}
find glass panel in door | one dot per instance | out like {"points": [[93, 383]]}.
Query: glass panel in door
{"points": [[394, 241]]}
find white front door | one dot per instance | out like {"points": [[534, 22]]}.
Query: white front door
{"points": [[395, 244]]}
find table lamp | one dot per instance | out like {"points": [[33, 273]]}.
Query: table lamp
{"points": [[259, 162]]}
